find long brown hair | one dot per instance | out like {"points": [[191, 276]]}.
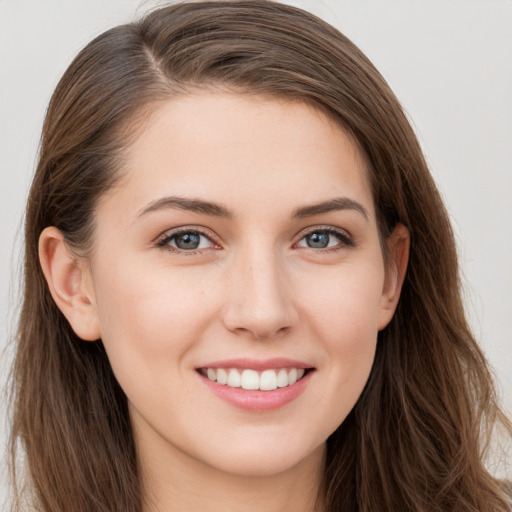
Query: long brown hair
{"points": [[418, 436]]}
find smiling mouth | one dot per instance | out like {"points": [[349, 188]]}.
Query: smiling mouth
{"points": [[249, 379]]}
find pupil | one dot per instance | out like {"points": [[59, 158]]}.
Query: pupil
{"points": [[187, 241], [318, 240]]}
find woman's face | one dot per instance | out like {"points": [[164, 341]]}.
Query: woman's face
{"points": [[240, 246]]}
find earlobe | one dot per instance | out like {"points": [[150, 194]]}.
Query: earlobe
{"points": [[398, 256], [69, 284]]}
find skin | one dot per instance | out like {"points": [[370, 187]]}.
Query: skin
{"points": [[253, 288]]}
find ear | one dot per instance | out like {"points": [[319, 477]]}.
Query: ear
{"points": [[70, 284], [398, 256]]}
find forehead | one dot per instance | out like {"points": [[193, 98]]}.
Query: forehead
{"points": [[242, 149]]}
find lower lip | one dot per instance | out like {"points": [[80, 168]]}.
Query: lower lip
{"points": [[258, 401]]}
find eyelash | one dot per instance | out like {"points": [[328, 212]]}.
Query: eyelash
{"points": [[165, 241], [344, 240]]}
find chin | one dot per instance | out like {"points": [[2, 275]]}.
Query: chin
{"points": [[264, 461]]}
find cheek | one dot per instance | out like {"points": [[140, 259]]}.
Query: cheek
{"points": [[344, 304], [148, 320], [349, 335], [345, 321]]}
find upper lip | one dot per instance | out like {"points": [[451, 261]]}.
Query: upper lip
{"points": [[257, 364]]}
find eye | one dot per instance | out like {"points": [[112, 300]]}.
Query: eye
{"points": [[186, 240], [325, 239]]}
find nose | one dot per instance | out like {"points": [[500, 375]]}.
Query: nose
{"points": [[259, 297]]}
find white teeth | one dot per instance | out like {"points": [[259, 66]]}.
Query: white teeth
{"points": [[248, 379], [234, 379], [268, 380], [282, 378], [222, 376]]}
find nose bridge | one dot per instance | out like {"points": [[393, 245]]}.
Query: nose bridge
{"points": [[258, 295]]}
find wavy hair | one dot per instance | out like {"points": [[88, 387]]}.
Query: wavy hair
{"points": [[418, 436]]}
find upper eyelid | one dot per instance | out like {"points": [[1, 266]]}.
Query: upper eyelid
{"points": [[331, 229], [164, 237]]}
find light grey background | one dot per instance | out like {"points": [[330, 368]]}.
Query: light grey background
{"points": [[449, 62]]}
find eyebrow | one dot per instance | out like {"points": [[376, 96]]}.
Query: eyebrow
{"points": [[340, 203], [191, 205], [217, 210]]}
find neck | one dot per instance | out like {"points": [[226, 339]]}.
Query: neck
{"points": [[181, 484]]}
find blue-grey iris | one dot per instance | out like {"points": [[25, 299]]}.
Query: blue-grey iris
{"points": [[317, 240], [188, 241]]}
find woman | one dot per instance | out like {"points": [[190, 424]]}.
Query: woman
{"points": [[241, 283]]}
